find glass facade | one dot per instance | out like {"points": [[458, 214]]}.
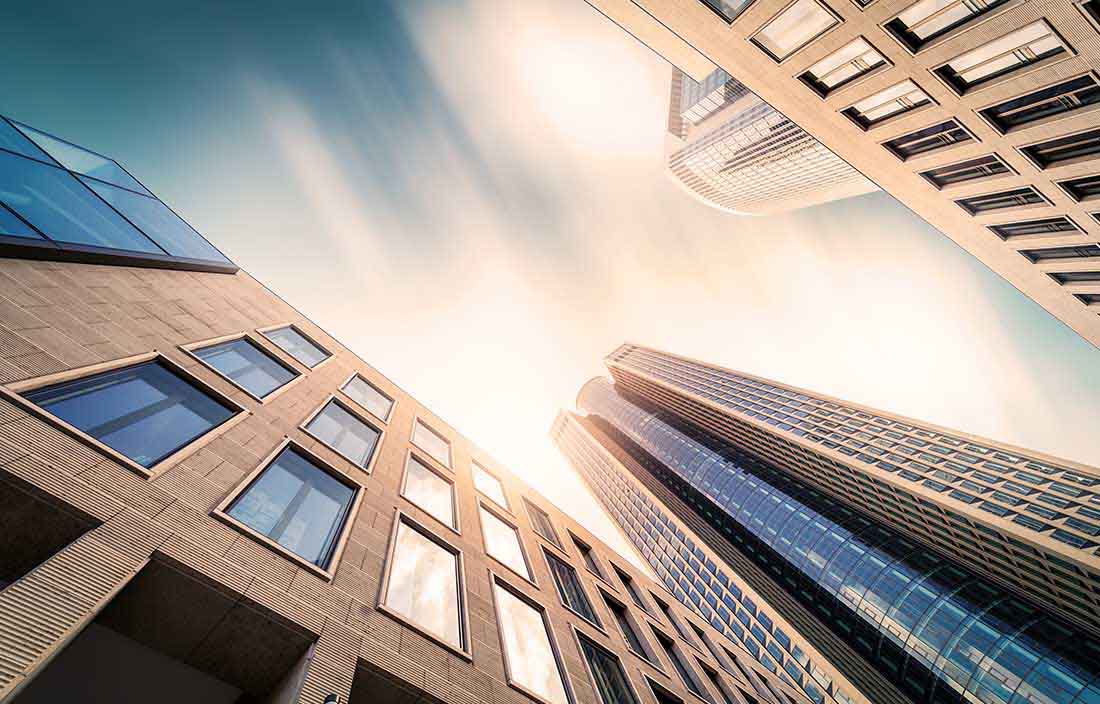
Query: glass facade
{"points": [[936, 629]]}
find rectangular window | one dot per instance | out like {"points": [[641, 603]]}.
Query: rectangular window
{"points": [[1085, 251], [1084, 189], [1041, 227], [1001, 57], [293, 342], [891, 102], [369, 397], [1089, 299], [298, 504], [727, 9], [1076, 277], [928, 140], [679, 665], [671, 618], [502, 543], [796, 26], [631, 589], [848, 63], [346, 433], [247, 365], [1061, 99], [983, 167], [1091, 10], [424, 584], [145, 412], [622, 619], [662, 695], [530, 657], [928, 20], [717, 684], [587, 555], [542, 523], [1063, 150], [433, 493], [607, 673], [570, 589], [1003, 200], [489, 486], [437, 447]]}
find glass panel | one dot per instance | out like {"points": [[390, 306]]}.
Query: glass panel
{"points": [[795, 27], [430, 492], [60, 206], [502, 543], [607, 672], [11, 139], [297, 346], [529, 655], [146, 412], [344, 433], [629, 634], [489, 485], [157, 221], [844, 65], [296, 504], [1026, 45], [362, 392], [81, 160], [423, 585], [431, 442], [14, 227], [570, 589], [247, 365], [540, 520]]}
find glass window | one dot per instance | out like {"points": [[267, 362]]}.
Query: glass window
{"points": [[1015, 50], [794, 28], [424, 584], [588, 557], [929, 19], [628, 583], [1061, 99], [429, 491], [662, 695], [893, 101], [298, 346], [502, 543], [1041, 227], [928, 140], [1082, 190], [489, 485], [846, 64], [570, 588], [983, 167], [146, 412], [247, 365], [1015, 198], [542, 523], [344, 432], [622, 619], [1070, 149], [432, 442], [528, 652], [368, 396], [81, 160], [13, 140], [298, 505], [12, 226], [678, 664], [607, 673]]}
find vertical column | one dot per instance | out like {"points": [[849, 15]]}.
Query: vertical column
{"points": [[329, 668]]}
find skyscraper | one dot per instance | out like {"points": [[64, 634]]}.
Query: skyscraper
{"points": [[980, 116], [922, 563], [205, 497]]}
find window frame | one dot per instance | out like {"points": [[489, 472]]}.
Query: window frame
{"points": [[393, 401], [507, 508], [675, 650], [192, 348], [419, 420], [806, 78], [464, 651], [965, 26], [333, 398], [631, 589], [487, 506], [530, 506], [1067, 188], [1012, 73], [578, 634], [411, 455], [649, 657], [14, 391], [885, 144], [1074, 161], [926, 174], [263, 332], [1045, 202], [869, 125], [983, 111], [654, 685], [577, 543], [547, 555], [833, 13], [495, 580], [327, 573]]}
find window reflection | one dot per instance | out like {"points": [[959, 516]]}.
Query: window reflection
{"points": [[431, 442], [430, 491], [489, 485], [502, 543], [298, 346], [527, 649], [247, 365], [366, 395], [424, 584], [344, 432]]}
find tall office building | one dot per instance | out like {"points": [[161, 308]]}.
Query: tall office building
{"points": [[855, 551], [735, 152], [204, 497], [979, 115]]}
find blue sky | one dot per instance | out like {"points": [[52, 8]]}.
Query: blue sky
{"points": [[471, 196]]}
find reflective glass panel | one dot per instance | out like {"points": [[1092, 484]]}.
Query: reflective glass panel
{"points": [[247, 365], [14, 227], [297, 346], [607, 672], [489, 485], [345, 433], [570, 589], [81, 160], [363, 392], [431, 442], [502, 543], [794, 28], [527, 649], [430, 491], [13, 140], [423, 585]]}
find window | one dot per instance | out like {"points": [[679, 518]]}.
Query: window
{"points": [[984, 167], [662, 695], [588, 556], [848, 63], [727, 9], [296, 503], [431, 492], [146, 412], [298, 346], [928, 20], [679, 665], [607, 673], [1016, 50], [928, 140], [1061, 99], [247, 365], [1042, 227], [529, 655], [628, 583], [799, 24], [702, 638], [502, 543], [344, 432], [424, 583], [1091, 10], [622, 619], [895, 100], [1063, 150], [570, 589], [369, 397], [1089, 299], [1076, 277], [717, 684], [1082, 189], [432, 442], [1086, 251], [667, 611], [489, 486], [1016, 198], [542, 524]]}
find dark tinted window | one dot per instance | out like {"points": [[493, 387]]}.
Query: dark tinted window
{"points": [[344, 432], [1072, 148], [1041, 227], [607, 672], [540, 520], [570, 589], [1060, 99], [1082, 189], [1015, 198], [298, 346], [970, 170], [928, 140], [1081, 252]]}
